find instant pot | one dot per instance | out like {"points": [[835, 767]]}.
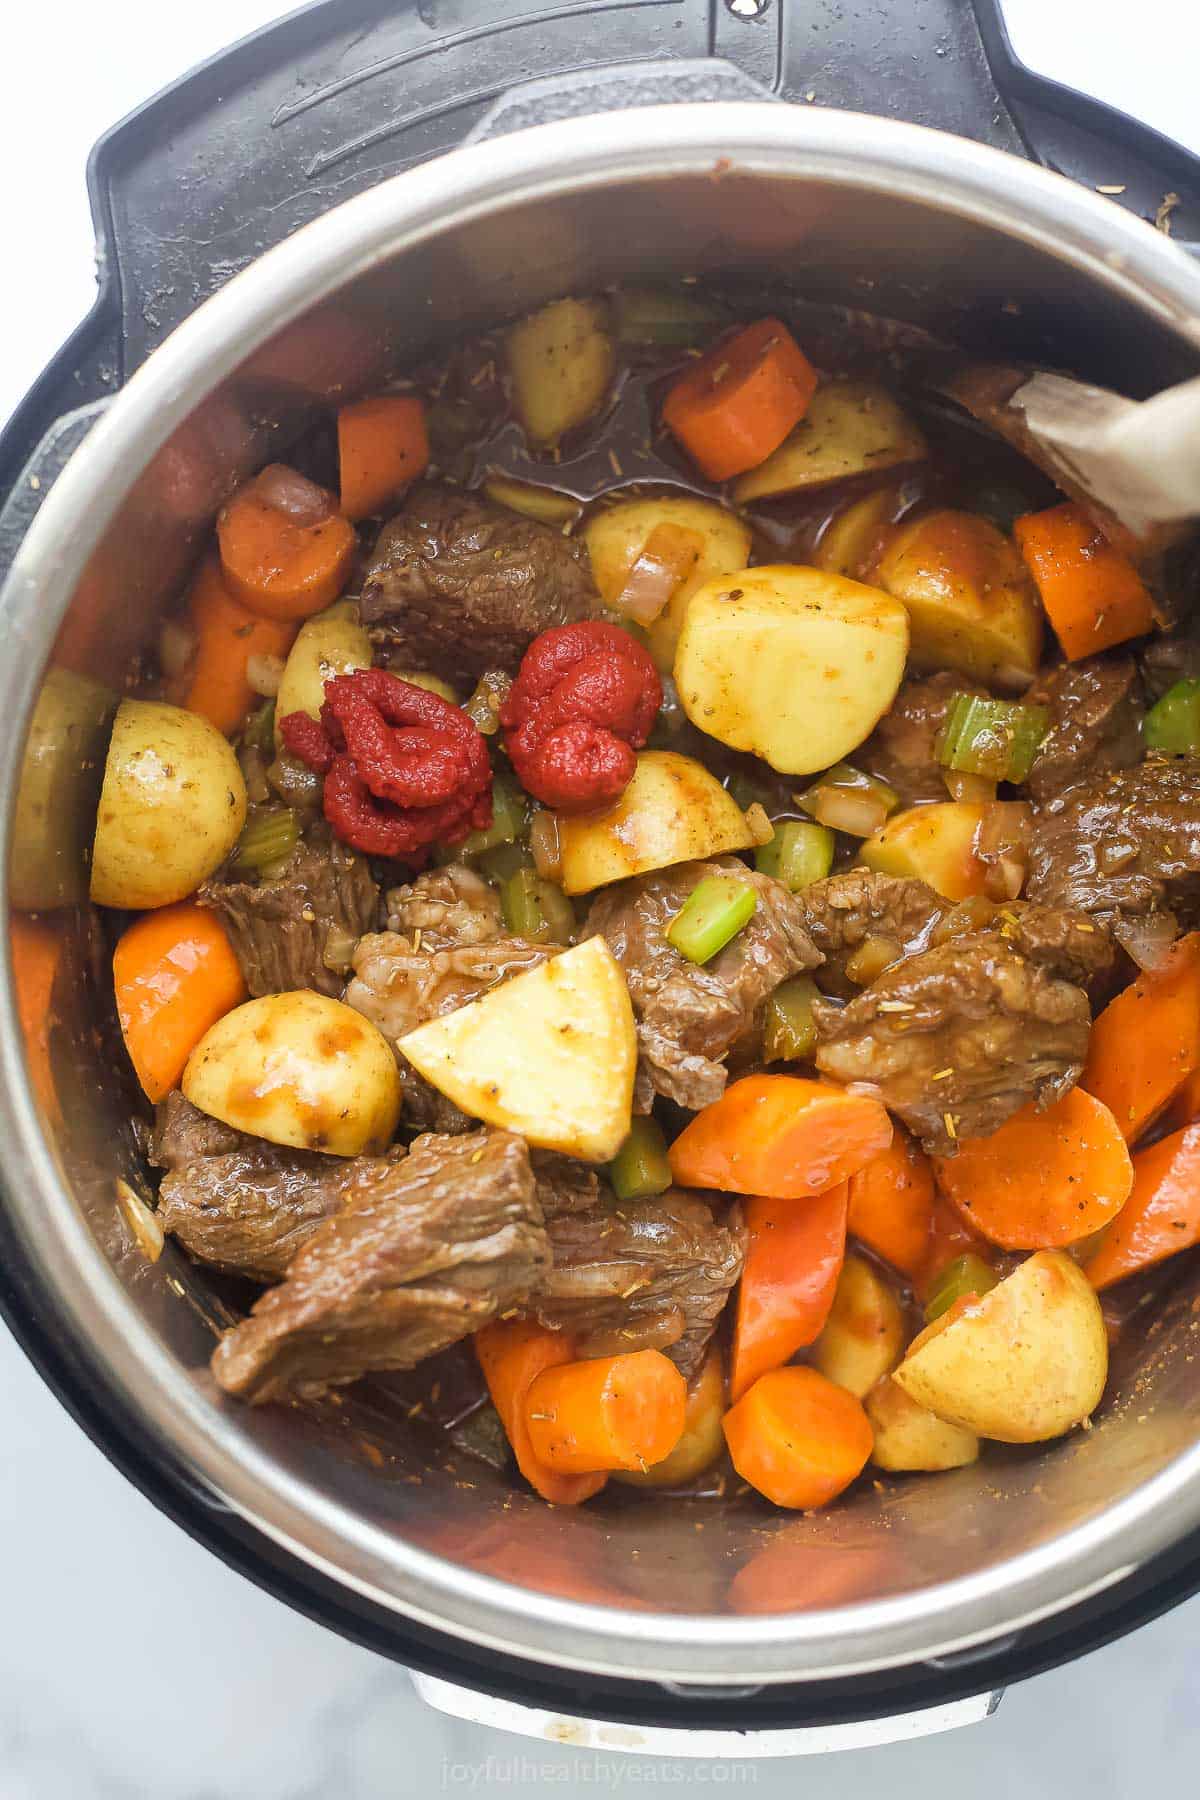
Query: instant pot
{"points": [[355, 185]]}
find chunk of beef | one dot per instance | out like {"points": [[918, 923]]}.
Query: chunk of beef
{"points": [[426, 1251], [642, 1275], [1095, 722], [445, 908], [843, 911], [563, 1185], [957, 1039], [1175, 656], [901, 750], [183, 1134], [691, 1016], [297, 929], [399, 987], [457, 586], [1124, 847]]}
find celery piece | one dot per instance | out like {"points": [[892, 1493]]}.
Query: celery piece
{"points": [[259, 733], [1173, 723], [713, 913], [640, 1167], [509, 818], [789, 1029], [666, 316], [998, 739], [270, 837], [536, 909], [798, 854], [965, 1275]]}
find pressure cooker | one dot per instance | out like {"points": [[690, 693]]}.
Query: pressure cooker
{"points": [[360, 184]]}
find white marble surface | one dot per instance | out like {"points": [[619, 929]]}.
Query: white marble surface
{"points": [[133, 1665]]}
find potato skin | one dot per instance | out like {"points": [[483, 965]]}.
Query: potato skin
{"points": [[330, 643], [616, 536], [1026, 1362], [910, 1437], [863, 1337], [794, 664], [298, 1069], [171, 808], [672, 811]]}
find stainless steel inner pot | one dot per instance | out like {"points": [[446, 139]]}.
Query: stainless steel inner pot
{"points": [[1008, 258]]}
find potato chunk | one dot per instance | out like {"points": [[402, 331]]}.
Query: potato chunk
{"points": [[971, 601], [703, 1439], [550, 1054], [793, 664], [298, 1069], [616, 536], [934, 844], [910, 1437], [330, 643], [561, 362], [672, 811], [1025, 1362], [850, 428], [863, 1337], [171, 808]]}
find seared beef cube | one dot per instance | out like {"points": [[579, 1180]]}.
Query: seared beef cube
{"points": [[398, 987], [457, 586], [297, 929], [690, 1016], [642, 1275], [844, 911], [183, 1134], [902, 750], [563, 1185], [250, 1211], [1124, 847], [426, 1250], [1175, 656], [957, 1039], [445, 908], [1066, 943], [1096, 712]]}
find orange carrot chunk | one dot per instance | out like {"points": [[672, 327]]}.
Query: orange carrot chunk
{"points": [[798, 1438], [285, 550], [382, 447], [794, 1255], [613, 1412], [781, 1135], [949, 1238], [1185, 1107], [1045, 1179], [891, 1204], [1162, 1214], [512, 1354], [738, 403], [175, 974], [1146, 1042], [227, 634], [1092, 593]]}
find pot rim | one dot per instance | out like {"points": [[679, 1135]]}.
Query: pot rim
{"points": [[968, 180]]}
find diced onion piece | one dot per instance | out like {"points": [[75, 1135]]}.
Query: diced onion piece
{"points": [[148, 1234], [846, 800], [1147, 940], [667, 557], [978, 789], [176, 648], [789, 1028], [544, 845], [483, 707], [875, 954], [264, 673], [759, 823], [287, 491], [1002, 845], [339, 949]]}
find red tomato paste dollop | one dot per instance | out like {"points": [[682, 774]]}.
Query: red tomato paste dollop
{"points": [[404, 769], [584, 700]]}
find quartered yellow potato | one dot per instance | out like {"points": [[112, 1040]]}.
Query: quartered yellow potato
{"points": [[849, 543], [550, 1054], [910, 1437], [561, 360], [793, 664], [934, 844], [171, 808], [863, 1337], [1026, 1361], [850, 428], [548, 505], [616, 536], [672, 811], [971, 601], [330, 643], [702, 1441], [298, 1069]]}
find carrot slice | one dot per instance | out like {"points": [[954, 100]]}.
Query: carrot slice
{"points": [[1092, 593], [284, 564], [794, 1255], [612, 1412], [1045, 1179], [382, 446], [949, 1238], [1185, 1107], [781, 1135], [228, 634], [798, 1438], [1146, 1042], [512, 1354], [1162, 1214], [175, 974], [891, 1204], [738, 403]]}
